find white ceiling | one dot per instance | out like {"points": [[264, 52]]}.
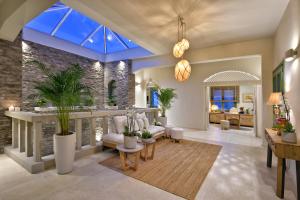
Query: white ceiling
{"points": [[153, 24]]}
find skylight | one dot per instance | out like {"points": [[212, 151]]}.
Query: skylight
{"points": [[63, 22]]}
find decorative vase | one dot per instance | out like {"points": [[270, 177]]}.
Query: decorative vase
{"points": [[289, 137], [163, 120], [130, 142], [64, 152]]}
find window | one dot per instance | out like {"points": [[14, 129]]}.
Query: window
{"points": [[225, 97]]}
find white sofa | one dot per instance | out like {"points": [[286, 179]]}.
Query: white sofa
{"points": [[115, 136]]}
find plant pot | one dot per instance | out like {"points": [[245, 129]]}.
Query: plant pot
{"points": [[148, 140], [163, 120], [130, 142], [289, 137], [64, 152]]}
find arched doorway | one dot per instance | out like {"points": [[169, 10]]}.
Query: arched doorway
{"points": [[240, 87]]}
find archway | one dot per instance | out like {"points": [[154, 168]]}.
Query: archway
{"points": [[235, 79]]}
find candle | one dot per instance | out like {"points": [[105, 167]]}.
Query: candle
{"points": [[11, 108], [17, 109]]}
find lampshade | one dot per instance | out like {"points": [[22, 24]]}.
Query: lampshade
{"points": [[182, 70], [178, 50], [185, 43], [275, 99], [214, 107]]}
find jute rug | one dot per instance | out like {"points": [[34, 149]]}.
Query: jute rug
{"points": [[178, 168]]}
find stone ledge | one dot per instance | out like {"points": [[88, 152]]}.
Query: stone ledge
{"points": [[47, 161]]}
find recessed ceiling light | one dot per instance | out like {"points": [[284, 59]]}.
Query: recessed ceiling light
{"points": [[109, 37]]}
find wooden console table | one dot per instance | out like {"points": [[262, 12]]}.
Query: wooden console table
{"points": [[283, 151]]}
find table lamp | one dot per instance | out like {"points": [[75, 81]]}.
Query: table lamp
{"points": [[275, 100], [214, 108]]}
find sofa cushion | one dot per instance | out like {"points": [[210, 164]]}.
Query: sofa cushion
{"points": [[155, 129], [120, 123], [141, 115], [146, 123], [141, 124], [113, 138]]}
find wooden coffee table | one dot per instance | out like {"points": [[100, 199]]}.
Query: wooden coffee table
{"points": [[147, 144], [124, 152]]}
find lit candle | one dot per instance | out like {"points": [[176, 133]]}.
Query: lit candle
{"points": [[11, 108]]}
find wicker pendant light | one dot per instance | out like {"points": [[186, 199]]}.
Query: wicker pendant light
{"points": [[182, 70], [183, 67]]}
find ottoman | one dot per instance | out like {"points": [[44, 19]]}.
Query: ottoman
{"points": [[177, 134], [168, 130], [225, 124]]}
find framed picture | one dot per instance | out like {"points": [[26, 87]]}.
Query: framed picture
{"points": [[248, 97], [278, 78]]}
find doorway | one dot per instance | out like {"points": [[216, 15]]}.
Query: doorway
{"points": [[233, 105]]}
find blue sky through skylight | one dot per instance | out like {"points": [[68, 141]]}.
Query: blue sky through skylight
{"points": [[63, 22]]}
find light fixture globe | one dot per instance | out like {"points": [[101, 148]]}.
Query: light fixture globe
{"points": [[185, 43], [178, 50], [182, 70]]}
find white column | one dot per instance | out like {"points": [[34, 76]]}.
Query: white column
{"points": [[14, 133], [105, 125], [78, 130], [37, 134], [21, 135], [28, 139], [93, 131]]}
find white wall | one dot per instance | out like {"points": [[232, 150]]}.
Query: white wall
{"points": [[189, 109], [246, 89], [286, 37]]}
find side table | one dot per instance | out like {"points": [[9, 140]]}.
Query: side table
{"points": [[125, 162], [147, 143]]}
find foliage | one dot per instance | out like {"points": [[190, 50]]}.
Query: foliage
{"points": [[64, 90], [130, 133], [288, 128], [166, 97], [110, 89], [146, 134]]}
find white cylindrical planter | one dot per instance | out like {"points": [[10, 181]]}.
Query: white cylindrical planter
{"points": [[64, 152], [163, 120], [130, 142]]}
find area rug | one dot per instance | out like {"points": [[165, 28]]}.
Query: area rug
{"points": [[178, 168]]}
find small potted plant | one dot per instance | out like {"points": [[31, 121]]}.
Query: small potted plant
{"points": [[112, 101], [146, 136], [288, 133], [130, 134]]}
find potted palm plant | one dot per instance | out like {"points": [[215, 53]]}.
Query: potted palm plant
{"points": [[165, 98], [64, 90]]}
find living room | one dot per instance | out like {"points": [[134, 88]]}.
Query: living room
{"points": [[147, 100]]}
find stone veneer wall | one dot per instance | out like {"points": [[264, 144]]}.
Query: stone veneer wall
{"points": [[10, 85], [121, 72], [17, 80]]}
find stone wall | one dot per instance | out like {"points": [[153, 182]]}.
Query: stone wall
{"points": [[10, 85], [121, 72], [18, 79]]}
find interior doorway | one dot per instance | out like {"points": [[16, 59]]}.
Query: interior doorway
{"points": [[233, 105]]}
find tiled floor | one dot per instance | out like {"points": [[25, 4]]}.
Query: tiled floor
{"points": [[239, 173]]}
